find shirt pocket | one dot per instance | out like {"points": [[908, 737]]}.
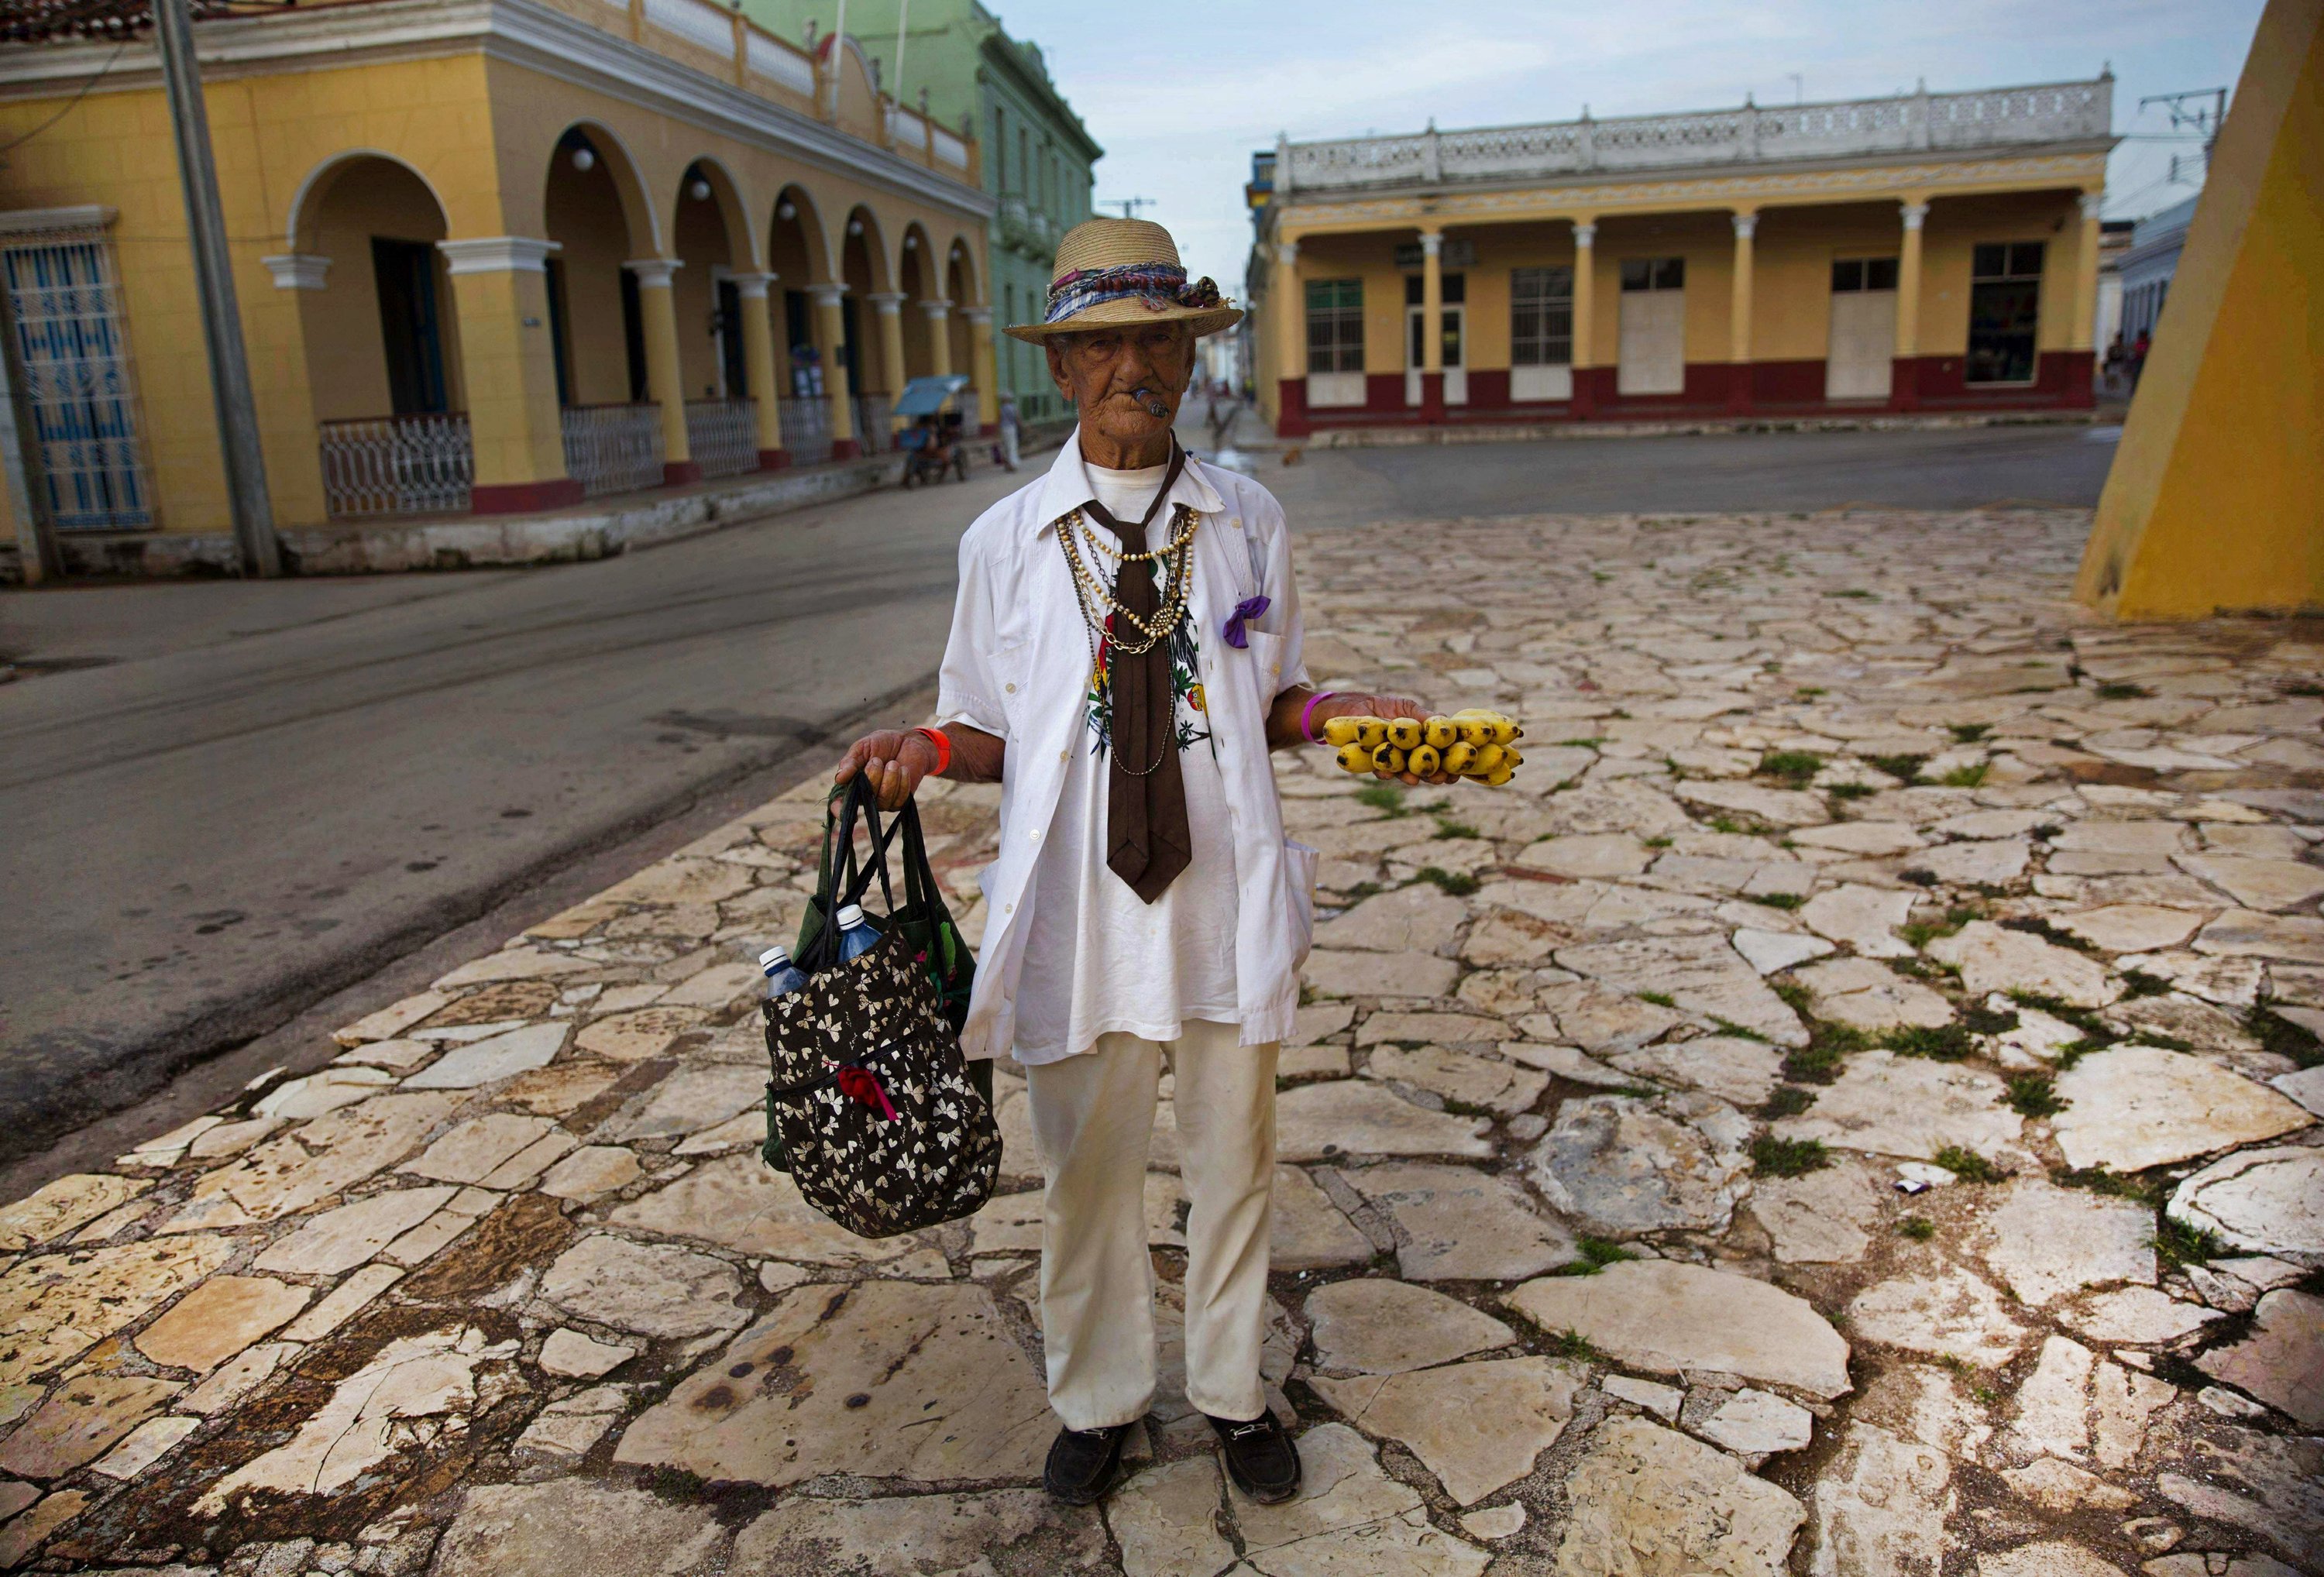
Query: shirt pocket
{"points": [[1299, 869]]}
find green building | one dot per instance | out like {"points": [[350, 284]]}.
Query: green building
{"points": [[1037, 154]]}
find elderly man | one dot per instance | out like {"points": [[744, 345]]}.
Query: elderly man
{"points": [[1125, 653]]}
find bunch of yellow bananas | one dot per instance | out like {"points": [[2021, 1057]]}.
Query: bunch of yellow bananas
{"points": [[1476, 745]]}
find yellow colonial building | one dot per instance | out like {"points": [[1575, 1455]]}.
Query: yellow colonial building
{"points": [[1931, 252], [493, 256]]}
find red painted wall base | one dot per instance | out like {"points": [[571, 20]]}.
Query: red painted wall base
{"points": [[2063, 380], [845, 448], [774, 459], [523, 498], [680, 473]]}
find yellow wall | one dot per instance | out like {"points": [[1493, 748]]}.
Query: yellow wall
{"points": [[479, 137], [2215, 500], [583, 215], [1793, 251]]}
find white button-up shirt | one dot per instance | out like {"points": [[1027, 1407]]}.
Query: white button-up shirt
{"points": [[1017, 665]]}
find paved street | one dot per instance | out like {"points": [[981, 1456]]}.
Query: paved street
{"points": [[276, 787], [1849, 1108], [224, 801]]}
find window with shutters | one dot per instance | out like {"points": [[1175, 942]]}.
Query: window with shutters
{"points": [[1541, 316], [1335, 326]]}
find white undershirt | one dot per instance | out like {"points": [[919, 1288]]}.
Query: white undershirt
{"points": [[1098, 959]]}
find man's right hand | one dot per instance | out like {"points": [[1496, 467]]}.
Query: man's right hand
{"points": [[894, 760]]}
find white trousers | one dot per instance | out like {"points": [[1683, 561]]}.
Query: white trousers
{"points": [[1008, 446], [1092, 1121]]}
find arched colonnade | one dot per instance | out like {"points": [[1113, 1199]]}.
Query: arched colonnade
{"points": [[647, 331]]}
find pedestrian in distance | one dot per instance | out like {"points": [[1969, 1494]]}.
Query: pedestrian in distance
{"points": [[2138, 358], [1126, 649], [1012, 434]]}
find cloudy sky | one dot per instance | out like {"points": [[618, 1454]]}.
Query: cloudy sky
{"points": [[1180, 95]]}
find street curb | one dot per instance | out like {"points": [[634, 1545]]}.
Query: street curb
{"points": [[564, 536]]}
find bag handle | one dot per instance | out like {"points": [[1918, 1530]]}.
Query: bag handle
{"points": [[841, 879]]}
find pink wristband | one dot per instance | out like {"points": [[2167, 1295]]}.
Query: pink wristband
{"points": [[1307, 714]]}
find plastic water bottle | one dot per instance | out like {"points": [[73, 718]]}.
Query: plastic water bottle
{"points": [[782, 974], [856, 934]]}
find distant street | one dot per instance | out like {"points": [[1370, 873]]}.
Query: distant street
{"points": [[223, 801]]}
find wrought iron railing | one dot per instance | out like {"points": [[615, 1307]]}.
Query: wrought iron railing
{"points": [[612, 448], [2056, 112], [874, 423], [397, 465], [722, 435], [807, 431]]}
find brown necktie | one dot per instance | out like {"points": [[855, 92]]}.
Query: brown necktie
{"points": [[1148, 842]]}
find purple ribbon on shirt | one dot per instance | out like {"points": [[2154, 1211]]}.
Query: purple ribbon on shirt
{"points": [[1249, 608]]}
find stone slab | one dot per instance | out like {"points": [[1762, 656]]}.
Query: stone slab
{"points": [[1669, 1317]]}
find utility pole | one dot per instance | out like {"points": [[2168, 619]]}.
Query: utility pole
{"points": [[230, 389], [2205, 121], [1128, 206]]}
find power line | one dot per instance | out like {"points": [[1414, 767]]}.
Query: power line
{"points": [[71, 104]]}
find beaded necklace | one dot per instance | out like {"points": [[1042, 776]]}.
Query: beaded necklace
{"points": [[1178, 566]]}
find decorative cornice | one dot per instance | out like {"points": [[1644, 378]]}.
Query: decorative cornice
{"points": [[497, 254], [77, 216], [521, 32], [654, 272], [979, 314], [752, 287], [936, 309], [826, 292], [1763, 188], [298, 271], [890, 303]]}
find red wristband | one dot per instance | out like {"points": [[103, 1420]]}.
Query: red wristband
{"points": [[944, 747]]}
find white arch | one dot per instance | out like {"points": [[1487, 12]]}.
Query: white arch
{"points": [[307, 187]]}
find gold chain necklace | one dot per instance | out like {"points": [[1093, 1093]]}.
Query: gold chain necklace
{"points": [[1178, 570]]}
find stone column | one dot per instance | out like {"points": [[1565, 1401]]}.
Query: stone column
{"points": [[939, 313], [1904, 384], [987, 371], [1290, 344], [759, 363], [2082, 329], [665, 384], [887, 325], [1739, 317], [500, 296], [1585, 317], [1432, 327], [831, 346]]}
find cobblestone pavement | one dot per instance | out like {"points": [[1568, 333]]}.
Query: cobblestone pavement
{"points": [[1847, 1108]]}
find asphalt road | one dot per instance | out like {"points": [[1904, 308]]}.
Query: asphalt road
{"points": [[221, 803]]}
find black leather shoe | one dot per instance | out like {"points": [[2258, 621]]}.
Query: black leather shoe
{"points": [[1080, 1469], [1261, 1459]]}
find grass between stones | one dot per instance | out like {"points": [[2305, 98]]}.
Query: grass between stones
{"points": [[2280, 1035], [1967, 1165], [1903, 769], [1793, 767], [2179, 1245], [1920, 933], [1571, 1344], [1988, 1020], [2034, 1095], [1777, 900], [1659, 999], [1846, 791], [1788, 1101], [1787, 1157], [1943, 1043], [2120, 692], [1383, 797], [2034, 925], [1970, 776], [1919, 1228], [1970, 733], [1454, 883], [1597, 1253], [2138, 983]]}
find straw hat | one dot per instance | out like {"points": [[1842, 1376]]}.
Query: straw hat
{"points": [[1114, 273]]}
